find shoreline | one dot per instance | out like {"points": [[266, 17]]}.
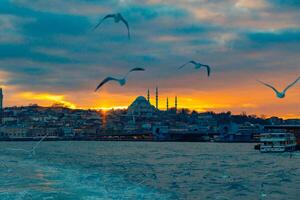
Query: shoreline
{"points": [[112, 139], [125, 140]]}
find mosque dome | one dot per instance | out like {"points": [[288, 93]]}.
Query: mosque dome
{"points": [[141, 98], [140, 106]]}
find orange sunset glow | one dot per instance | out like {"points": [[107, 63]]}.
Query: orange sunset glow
{"points": [[218, 101]]}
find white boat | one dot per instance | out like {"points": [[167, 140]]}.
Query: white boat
{"points": [[277, 142]]}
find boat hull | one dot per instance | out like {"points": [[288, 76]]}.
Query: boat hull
{"points": [[277, 149]]}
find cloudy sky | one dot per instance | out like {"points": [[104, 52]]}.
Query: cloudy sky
{"points": [[50, 53]]}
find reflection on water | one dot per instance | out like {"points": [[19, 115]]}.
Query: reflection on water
{"points": [[140, 170]]}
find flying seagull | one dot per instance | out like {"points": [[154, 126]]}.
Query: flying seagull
{"points": [[197, 66], [117, 17], [280, 95], [31, 151], [121, 81]]}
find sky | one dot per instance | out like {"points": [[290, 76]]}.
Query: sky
{"points": [[49, 53]]}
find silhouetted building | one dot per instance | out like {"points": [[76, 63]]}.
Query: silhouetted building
{"points": [[167, 103], [140, 107], [156, 98], [148, 96], [1, 105], [175, 103]]}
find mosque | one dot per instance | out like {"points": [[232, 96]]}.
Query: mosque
{"points": [[143, 107]]}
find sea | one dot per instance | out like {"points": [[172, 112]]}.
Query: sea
{"points": [[73, 170]]}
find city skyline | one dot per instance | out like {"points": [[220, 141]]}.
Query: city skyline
{"points": [[49, 53]]}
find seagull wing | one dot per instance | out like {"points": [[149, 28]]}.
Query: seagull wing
{"points": [[291, 85], [41, 140], [135, 69], [126, 24], [183, 65], [193, 62], [208, 69], [105, 81], [104, 18], [268, 85]]}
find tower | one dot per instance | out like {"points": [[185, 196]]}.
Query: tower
{"points": [[1, 105], [176, 103], [156, 98], [148, 96], [1, 99], [167, 103]]}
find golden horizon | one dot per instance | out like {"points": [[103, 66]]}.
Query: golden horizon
{"points": [[185, 102]]}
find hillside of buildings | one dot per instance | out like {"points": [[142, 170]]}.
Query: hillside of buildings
{"points": [[140, 120]]}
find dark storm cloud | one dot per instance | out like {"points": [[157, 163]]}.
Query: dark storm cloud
{"points": [[14, 51], [283, 36], [57, 35], [51, 24], [30, 70], [285, 3]]}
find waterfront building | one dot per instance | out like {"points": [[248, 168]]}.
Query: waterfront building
{"points": [[234, 132], [9, 119], [68, 132], [13, 132], [160, 132], [38, 121]]}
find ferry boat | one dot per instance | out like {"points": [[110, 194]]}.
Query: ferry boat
{"points": [[277, 142]]}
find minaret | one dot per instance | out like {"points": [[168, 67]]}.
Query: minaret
{"points": [[1, 105], [156, 98], [1, 99], [148, 96], [167, 103], [176, 103]]}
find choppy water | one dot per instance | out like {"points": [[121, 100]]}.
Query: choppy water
{"points": [[142, 170]]}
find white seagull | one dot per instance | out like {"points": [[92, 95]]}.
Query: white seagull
{"points": [[282, 94], [197, 66], [121, 81], [117, 17], [31, 151]]}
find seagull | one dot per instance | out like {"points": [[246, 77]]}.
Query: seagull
{"points": [[197, 66], [31, 151], [121, 81], [117, 17], [280, 95]]}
